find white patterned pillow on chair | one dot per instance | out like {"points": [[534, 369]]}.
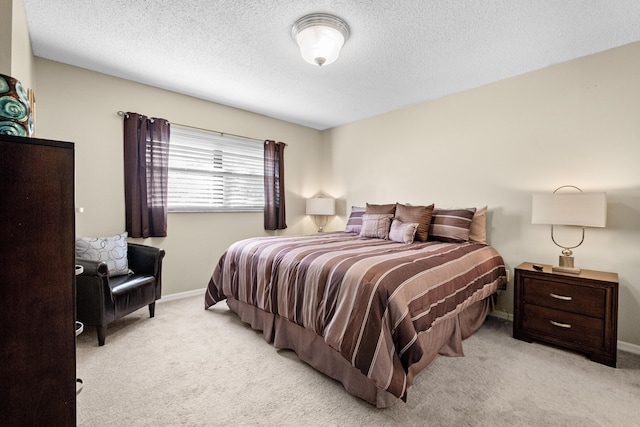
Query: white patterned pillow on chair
{"points": [[112, 250]]}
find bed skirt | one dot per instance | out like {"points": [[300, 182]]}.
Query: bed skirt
{"points": [[445, 338]]}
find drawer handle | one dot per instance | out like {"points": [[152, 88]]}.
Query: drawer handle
{"points": [[562, 297], [560, 325]]}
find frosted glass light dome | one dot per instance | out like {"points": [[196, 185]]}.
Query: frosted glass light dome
{"points": [[320, 37]]}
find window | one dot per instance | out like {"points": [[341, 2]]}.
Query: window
{"points": [[210, 172]]}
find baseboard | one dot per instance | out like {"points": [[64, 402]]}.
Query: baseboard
{"points": [[628, 347], [624, 346], [501, 314], [181, 295]]}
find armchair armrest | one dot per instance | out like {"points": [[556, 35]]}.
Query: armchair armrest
{"points": [[92, 290], [93, 268], [145, 259]]}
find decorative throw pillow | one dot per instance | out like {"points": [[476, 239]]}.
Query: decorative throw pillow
{"points": [[478, 229], [419, 214], [451, 225], [376, 225], [112, 250], [354, 223], [402, 232], [381, 209]]}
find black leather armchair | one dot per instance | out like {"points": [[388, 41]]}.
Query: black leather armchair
{"points": [[101, 299]]}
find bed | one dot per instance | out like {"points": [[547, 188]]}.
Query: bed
{"points": [[369, 312]]}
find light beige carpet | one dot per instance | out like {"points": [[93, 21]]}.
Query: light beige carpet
{"points": [[192, 367]]}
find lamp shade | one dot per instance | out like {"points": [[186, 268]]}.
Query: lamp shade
{"points": [[581, 209], [320, 37], [321, 206]]}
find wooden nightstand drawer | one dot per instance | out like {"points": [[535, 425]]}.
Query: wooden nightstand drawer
{"points": [[568, 327], [572, 298]]}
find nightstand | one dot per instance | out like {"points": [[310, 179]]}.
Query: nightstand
{"points": [[575, 311]]}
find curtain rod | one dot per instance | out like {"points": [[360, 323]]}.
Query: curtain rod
{"points": [[122, 114]]}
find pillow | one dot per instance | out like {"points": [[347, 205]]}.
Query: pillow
{"points": [[451, 225], [419, 214], [478, 229], [376, 225], [354, 223], [381, 209], [402, 232], [112, 250]]}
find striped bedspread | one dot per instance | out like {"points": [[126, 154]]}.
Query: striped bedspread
{"points": [[368, 298]]}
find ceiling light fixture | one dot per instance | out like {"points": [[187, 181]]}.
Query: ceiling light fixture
{"points": [[320, 37]]}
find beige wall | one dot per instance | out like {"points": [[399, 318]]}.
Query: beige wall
{"points": [[80, 106], [575, 123], [22, 61], [16, 59], [6, 24]]}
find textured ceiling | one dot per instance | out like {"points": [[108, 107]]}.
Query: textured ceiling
{"points": [[402, 52]]}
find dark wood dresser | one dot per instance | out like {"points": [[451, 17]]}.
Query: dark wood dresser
{"points": [[576, 311], [37, 283]]}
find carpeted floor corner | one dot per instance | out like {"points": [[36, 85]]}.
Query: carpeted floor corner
{"points": [[194, 367]]}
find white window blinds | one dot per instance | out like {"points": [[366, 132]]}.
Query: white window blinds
{"points": [[210, 172]]}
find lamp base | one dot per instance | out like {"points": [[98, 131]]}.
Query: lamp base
{"points": [[571, 270], [566, 265], [320, 227]]}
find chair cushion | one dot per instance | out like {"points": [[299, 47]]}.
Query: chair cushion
{"points": [[121, 285]]}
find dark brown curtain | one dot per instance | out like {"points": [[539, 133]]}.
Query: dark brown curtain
{"points": [[274, 209], [146, 166]]}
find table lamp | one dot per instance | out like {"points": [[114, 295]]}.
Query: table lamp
{"points": [[575, 208], [321, 207]]}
